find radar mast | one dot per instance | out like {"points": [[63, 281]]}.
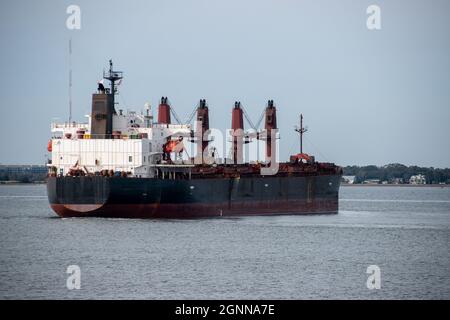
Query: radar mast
{"points": [[112, 76]]}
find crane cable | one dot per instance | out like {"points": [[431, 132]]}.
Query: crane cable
{"points": [[261, 117], [191, 116], [248, 119], [172, 111]]}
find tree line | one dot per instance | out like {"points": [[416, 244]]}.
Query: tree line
{"points": [[24, 177], [387, 173], [397, 171]]}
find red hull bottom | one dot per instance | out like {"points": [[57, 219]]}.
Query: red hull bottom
{"points": [[197, 210]]}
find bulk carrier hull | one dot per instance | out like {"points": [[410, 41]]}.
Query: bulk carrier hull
{"points": [[127, 165], [117, 197]]}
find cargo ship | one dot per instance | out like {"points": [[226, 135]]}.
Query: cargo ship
{"points": [[132, 165]]}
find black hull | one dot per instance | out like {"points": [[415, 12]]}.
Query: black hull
{"points": [[157, 198]]}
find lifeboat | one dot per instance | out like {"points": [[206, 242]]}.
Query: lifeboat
{"points": [[49, 145], [171, 146]]}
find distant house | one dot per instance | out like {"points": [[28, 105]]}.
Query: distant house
{"points": [[371, 181], [417, 179], [348, 179]]}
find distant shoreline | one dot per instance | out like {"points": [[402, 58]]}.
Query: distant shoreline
{"points": [[9, 183], [395, 185]]}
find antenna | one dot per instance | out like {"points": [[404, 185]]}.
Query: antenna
{"points": [[301, 130], [70, 80]]}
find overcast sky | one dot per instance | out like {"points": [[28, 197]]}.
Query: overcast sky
{"points": [[368, 97]]}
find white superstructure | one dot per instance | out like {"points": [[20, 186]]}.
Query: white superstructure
{"points": [[114, 142], [137, 144]]}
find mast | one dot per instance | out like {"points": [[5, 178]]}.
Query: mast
{"points": [[301, 130], [112, 76]]}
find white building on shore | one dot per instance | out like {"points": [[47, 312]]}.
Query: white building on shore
{"points": [[348, 179], [418, 179]]}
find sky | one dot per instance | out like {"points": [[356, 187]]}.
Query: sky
{"points": [[368, 96]]}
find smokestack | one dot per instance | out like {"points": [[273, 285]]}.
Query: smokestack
{"points": [[271, 124], [102, 115], [103, 106], [164, 111], [237, 125]]}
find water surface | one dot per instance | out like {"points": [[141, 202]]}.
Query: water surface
{"points": [[403, 230]]}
